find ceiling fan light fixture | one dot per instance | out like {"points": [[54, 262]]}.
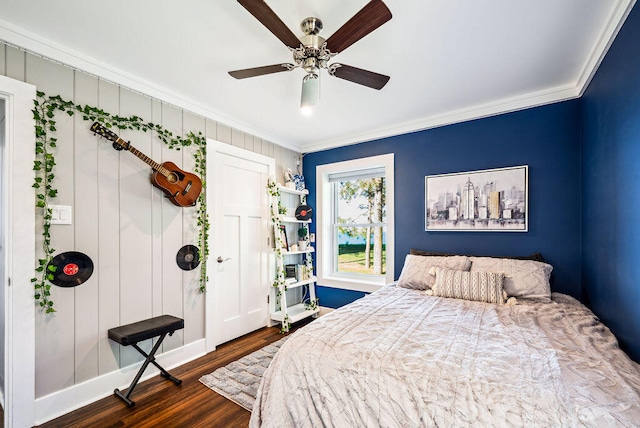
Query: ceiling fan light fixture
{"points": [[310, 93], [312, 52]]}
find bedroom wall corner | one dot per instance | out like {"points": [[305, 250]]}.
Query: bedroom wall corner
{"points": [[545, 138], [611, 188]]}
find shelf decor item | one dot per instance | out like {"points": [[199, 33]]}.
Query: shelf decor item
{"points": [[283, 237], [289, 179], [298, 179], [290, 271], [302, 238], [303, 212], [301, 272]]}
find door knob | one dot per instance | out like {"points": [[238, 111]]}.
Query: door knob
{"points": [[221, 260]]}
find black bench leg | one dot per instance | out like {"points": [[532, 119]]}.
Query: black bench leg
{"points": [[165, 374], [149, 359]]}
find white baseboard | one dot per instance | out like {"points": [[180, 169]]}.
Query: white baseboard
{"points": [[61, 402]]}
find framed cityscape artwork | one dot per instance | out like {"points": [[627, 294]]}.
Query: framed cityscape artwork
{"points": [[491, 200]]}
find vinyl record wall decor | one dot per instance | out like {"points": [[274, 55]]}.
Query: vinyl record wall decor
{"points": [[70, 269], [188, 257]]}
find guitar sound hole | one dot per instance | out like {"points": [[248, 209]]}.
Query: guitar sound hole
{"points": [[172, 178]]}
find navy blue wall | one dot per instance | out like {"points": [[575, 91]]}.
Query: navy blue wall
{"points": [[545, 138], [611, 188]]}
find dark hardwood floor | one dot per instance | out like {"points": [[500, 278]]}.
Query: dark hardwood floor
{"points": [[161, 403]]}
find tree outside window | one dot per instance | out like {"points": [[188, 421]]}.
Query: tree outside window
{"points": [[360, 226]]}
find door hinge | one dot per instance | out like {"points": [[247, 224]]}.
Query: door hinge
{"points": [[9, 281], [268, 299]]}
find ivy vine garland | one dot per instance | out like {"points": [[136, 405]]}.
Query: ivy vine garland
{"points": [[278, 283], [44, 111]]}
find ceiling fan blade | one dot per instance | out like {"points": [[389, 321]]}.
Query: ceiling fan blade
{"points": [[259, 71], [358, 75], [263, 13], [371, 16]]}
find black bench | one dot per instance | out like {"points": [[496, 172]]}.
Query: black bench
{"points": [[133, 333]]}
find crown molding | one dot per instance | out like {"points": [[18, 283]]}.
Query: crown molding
{"points": [[614, 24], [535, 99], [37, 45]]}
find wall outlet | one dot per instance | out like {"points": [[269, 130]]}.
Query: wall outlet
{"points": [[312, 237]]}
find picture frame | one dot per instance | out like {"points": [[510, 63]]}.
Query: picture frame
{"points": [[290, 271], [491, 200], [283, 237]]}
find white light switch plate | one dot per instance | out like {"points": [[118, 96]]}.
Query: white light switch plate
{"points": [[60, 214]]}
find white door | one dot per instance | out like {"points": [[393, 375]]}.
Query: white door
{"points": [[3, 228], [18, 252], [238, 264]]}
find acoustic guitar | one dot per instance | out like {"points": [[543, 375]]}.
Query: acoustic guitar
{"points": [[182, 188]]}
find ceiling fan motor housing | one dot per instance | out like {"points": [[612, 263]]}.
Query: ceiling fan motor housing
{"points": [[314, 55], [311, 25]]}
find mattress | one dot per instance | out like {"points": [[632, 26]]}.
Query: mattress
{"points": [[401, 358]]}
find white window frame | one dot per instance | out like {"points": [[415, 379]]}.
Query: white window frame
{"points": [[324, 230]]}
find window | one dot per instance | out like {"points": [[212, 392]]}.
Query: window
{"points": [[355, 223], [358, 222]]}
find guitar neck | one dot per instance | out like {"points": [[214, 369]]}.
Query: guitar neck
{"points": [[146, 159]]}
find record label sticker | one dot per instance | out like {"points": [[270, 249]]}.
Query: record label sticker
{"points": [[71, 269]]}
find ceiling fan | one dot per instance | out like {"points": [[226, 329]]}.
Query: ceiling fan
{"points": [[312, 52]]}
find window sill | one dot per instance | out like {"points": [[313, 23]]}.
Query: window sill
{"points": [[350, 284]]}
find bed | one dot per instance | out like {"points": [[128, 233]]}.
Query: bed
{"points": [[406, 356]]}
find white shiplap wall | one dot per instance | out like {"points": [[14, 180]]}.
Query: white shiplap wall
{"points": [[123, 223]]}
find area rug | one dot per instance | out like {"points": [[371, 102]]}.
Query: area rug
{"points": [[238, 381]]}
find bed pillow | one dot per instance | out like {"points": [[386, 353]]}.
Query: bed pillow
{"points": [[522, 278], [477, 286], [415, 272]]}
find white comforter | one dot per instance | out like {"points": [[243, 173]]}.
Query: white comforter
{"points": [[399, 358]]}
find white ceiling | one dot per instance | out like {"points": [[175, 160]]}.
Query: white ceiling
{"points": [[449, 60]]}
